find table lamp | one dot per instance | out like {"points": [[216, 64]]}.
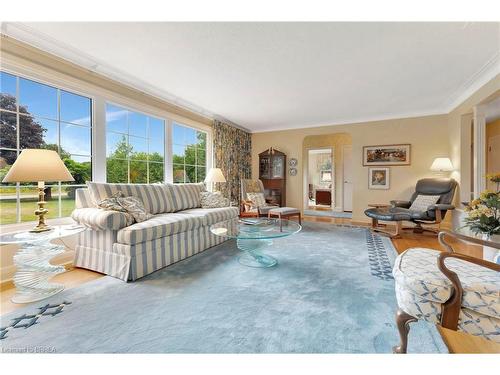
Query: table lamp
{"points": [[442, 165], [38, 165], [215, 175]]}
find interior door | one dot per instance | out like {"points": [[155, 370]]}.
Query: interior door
{"points": [[347, 176], [493, 158]]}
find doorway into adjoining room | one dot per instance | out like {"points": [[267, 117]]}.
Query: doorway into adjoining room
{"points": [[327, 167], [320, 179]]}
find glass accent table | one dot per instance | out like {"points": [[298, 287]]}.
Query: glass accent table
{"points": [[491, 244], [253, 235], [32, 261]]}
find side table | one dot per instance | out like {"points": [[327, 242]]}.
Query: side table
{"points": [[32, 262]]}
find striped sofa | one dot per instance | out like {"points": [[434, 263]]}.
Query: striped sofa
{"points": [[115, 246]]}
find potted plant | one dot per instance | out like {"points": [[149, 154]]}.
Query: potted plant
{"points": [[483, 216]]}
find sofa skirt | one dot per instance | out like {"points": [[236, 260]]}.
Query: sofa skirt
{"points": [[98, 251]]}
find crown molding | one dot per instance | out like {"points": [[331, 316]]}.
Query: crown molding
{"points": [[36, 39], [32, 37], [357, 121], [485, 74]]}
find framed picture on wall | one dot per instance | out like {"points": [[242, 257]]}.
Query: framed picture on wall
{"points": [[378, 178], [387, 155]]}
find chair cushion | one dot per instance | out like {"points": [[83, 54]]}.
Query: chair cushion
{"points": [[211, 216], [469, 321], [416, 271], [394, 214], [423, 202], [159, 226], [257, 199], [284, 210]]}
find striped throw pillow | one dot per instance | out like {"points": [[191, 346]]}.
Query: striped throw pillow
{"points": [[186, 196]]}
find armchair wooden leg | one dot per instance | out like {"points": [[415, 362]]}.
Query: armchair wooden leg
{"points": [[397, 234], [403, 321]]}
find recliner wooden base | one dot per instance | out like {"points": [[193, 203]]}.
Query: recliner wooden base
{"points": [[379, 229], [382, 228]]}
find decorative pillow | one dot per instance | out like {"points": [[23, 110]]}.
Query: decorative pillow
{"points": [[422, 202], [213, 200], [186, 196], [257, 199], [130, 205]]}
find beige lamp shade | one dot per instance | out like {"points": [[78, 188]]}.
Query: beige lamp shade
{"points": [[38, 165], [442, 165], [215, 175]]}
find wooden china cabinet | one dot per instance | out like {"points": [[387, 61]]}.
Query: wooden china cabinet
{"points": [[272, 173]]}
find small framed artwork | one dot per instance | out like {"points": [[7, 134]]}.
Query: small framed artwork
{"points": [[378, 178], [387, 155]]}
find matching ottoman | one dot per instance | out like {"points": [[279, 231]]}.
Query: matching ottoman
{"points": [[284, 213]]}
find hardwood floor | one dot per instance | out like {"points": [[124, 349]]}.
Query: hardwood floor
{"points": [[457, 342], [71, 278]]}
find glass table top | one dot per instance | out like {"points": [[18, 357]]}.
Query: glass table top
{"points": [[255, 229], [57, 231], [480, 238]]}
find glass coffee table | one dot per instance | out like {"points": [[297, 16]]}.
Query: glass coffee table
{"points": [[253, 235]]}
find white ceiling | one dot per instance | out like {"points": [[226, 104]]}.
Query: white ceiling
{"points": [[267, 76]]}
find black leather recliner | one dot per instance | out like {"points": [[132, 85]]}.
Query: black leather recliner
{"points": [[399, 211]]}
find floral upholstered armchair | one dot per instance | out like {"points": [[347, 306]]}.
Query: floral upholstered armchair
{"points": [[456, 291], [253, 198]]}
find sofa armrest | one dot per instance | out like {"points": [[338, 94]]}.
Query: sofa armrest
{"points": [[441, 207], [402, 204], [99, 219]]}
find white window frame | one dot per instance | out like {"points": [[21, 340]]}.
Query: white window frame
{"points": [[208, 155], [130, 109], [100, 96], [59, 88]]}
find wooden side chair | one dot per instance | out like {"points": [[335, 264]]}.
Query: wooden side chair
{"points": [[455, 291], [253, 200]]}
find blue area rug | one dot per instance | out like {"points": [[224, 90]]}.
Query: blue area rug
{"points": [[328, 213], [332, 292]]}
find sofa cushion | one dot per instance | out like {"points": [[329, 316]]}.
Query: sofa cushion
{"points": [[157, 198], [186, 195], [213, 215], [416, 271], [162, 225]]}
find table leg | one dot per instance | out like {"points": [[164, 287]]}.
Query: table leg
{"points": [[253, 257], [34, 272]]}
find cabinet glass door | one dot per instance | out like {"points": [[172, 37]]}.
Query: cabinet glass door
{"points": [[264, 168], [278, 167]]}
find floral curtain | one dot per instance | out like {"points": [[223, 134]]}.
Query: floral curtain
{"points": [[233, 155]]}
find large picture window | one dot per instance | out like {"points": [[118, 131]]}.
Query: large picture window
{"points": [[189, 154], [135, 146], [35, 115]]}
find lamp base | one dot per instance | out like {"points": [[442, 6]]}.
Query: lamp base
{"points": [[41, 228], [41, 211]]}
